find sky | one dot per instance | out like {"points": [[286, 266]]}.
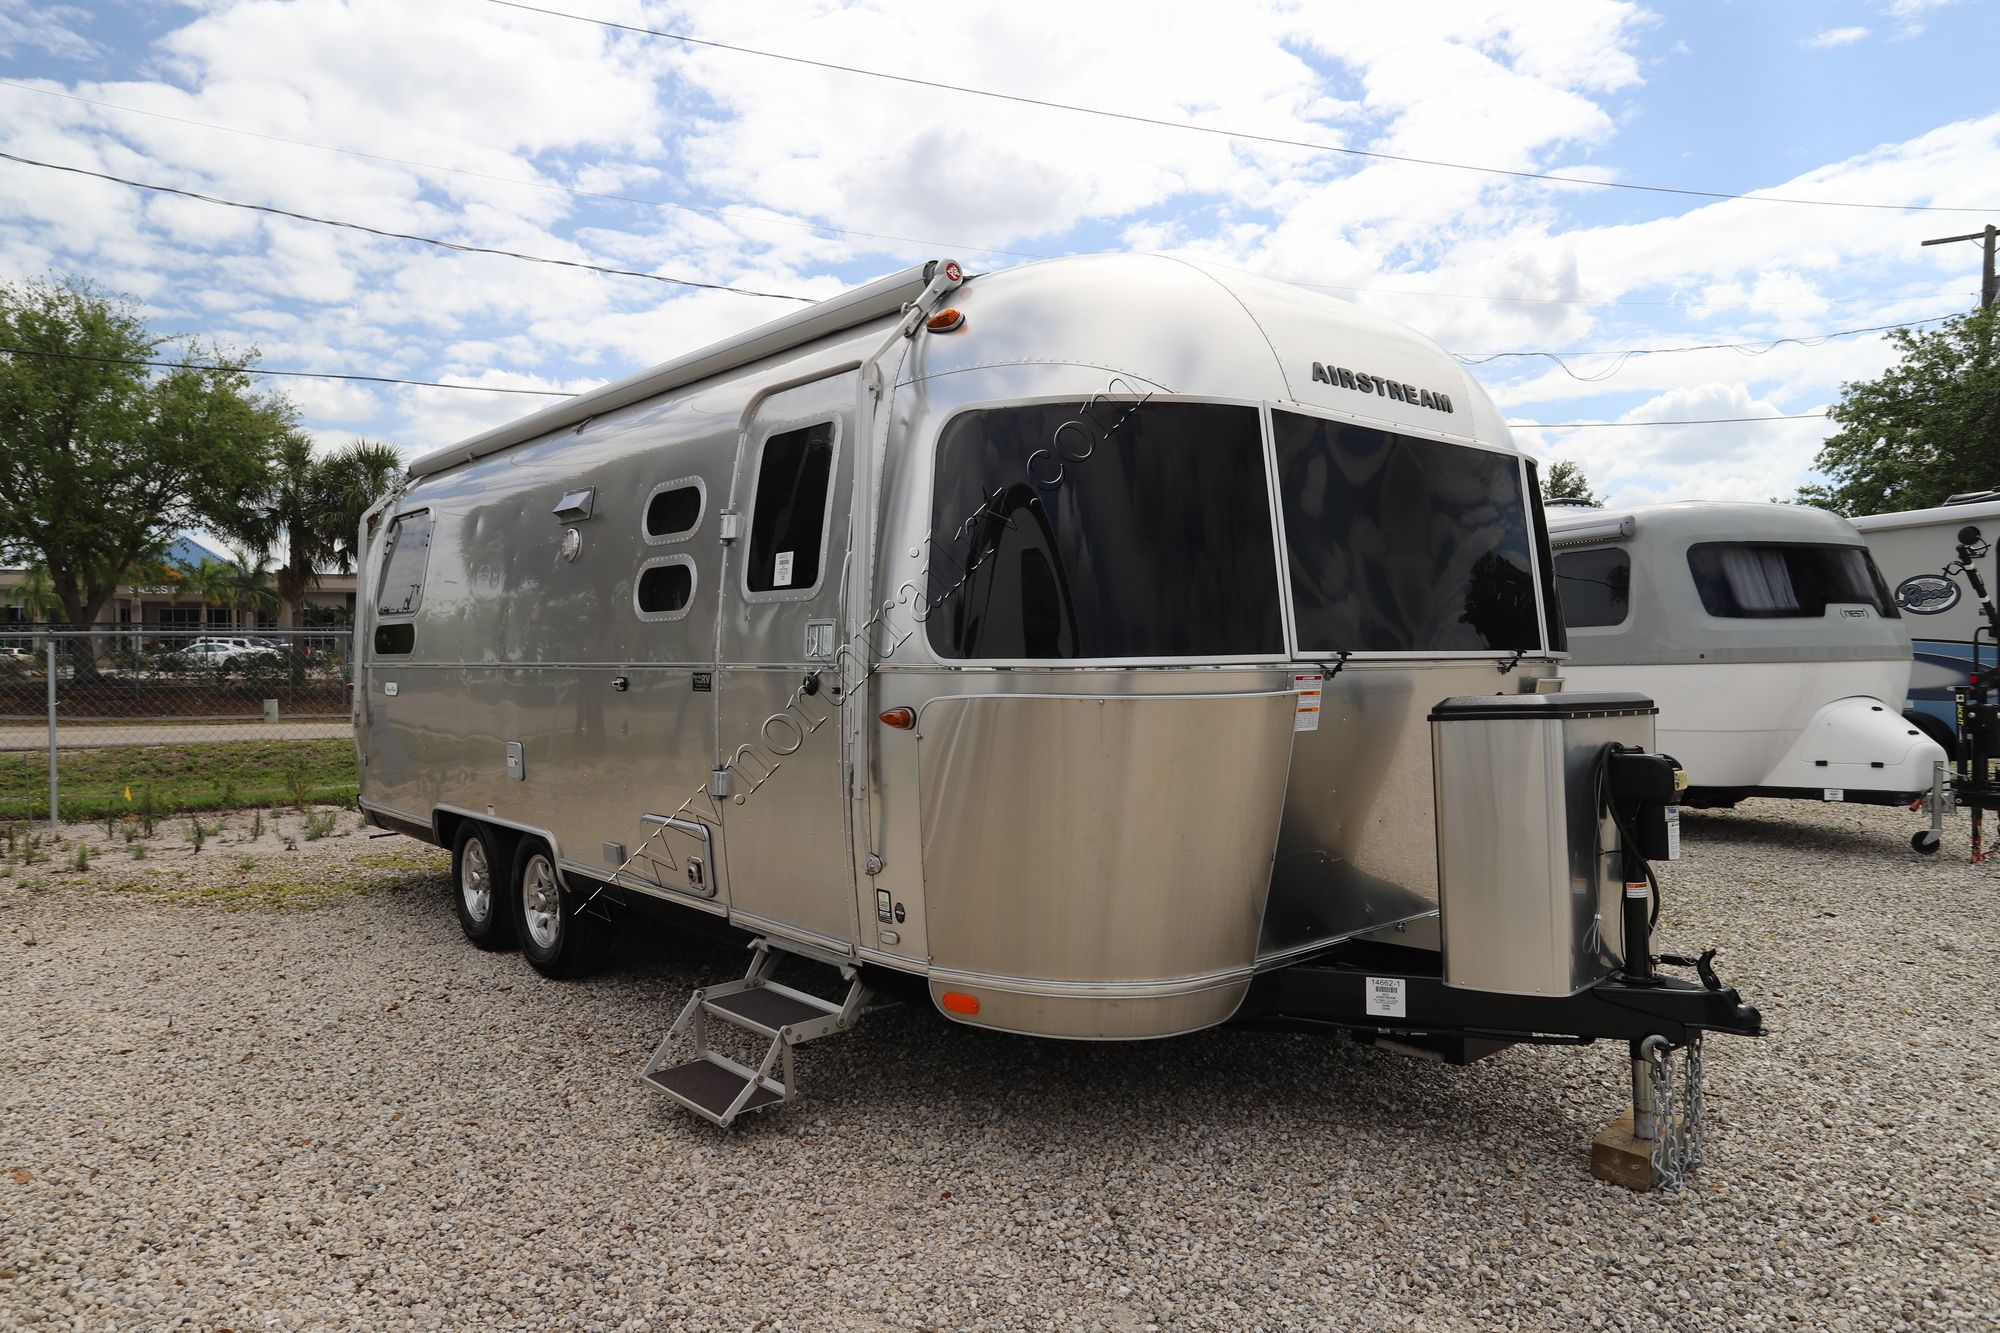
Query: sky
{"points": [[496, 126]]}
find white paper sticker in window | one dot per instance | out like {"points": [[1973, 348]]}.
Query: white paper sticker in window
{"points": [[781, 570], [1385, 998], [1305, 709]]}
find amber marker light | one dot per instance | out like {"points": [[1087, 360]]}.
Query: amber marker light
{"points": [[958, 1002], [946, 320], [900, 718]]}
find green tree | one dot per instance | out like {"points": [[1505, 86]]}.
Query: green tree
{"points": [[1567, 482], [311, 508], [1926, 429], [242, 581], [103, 462]]}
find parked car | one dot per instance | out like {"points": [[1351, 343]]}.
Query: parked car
{"points": [[227, 654]]}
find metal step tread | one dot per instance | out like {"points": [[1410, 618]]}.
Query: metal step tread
{"points": [[708, 1087], [768, 1009]]}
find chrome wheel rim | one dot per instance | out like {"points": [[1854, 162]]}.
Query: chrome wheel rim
{"points": [[475, 881], [541, 901]]}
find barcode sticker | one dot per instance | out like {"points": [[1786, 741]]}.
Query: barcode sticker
{"points": [[1305, 711], [1386, 998]]}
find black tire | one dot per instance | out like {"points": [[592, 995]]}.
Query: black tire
{"points": [[556, 939], [479, 887], [1926, 842], [1936, 728]]}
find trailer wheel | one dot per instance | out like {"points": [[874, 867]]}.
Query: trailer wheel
{"points": [[478, 876], [1926, 841], [556, 939]]}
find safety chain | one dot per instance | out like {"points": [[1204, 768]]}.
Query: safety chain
{"points": [[1677, 1149]]}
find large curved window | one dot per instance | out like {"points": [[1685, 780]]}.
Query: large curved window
{"points": [[1128, 530], [1777, 580], [1403, 545]]}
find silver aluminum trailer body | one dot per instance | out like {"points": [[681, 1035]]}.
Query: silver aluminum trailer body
{"points": [[1163, 735], [1764, 633]]}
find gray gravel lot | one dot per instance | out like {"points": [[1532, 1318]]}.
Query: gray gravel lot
{"points": [[348, 1117]]}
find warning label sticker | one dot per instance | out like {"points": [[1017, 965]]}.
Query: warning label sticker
{"points": [[1308, 687], [1386, 998], [781, 570], [1836, 793]]}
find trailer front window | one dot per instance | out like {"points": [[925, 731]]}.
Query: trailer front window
{"points": [[1124, 530], [1403, 545], [1775, 580]]}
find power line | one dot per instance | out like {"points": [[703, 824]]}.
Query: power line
{"points": [[256, 370], [517, 180], [403, 235], [753, 218], [1625, 355], [1134, 118]]}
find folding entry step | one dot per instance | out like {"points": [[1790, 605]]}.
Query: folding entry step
{"points": [[719, 1088]]}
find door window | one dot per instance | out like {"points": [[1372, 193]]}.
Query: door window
{"points": [[788, 515]]}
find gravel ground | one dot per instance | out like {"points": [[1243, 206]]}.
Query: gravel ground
{"points": [[324, 1109]]}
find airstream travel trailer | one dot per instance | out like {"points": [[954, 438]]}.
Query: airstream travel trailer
{"points": [[1764, 633], [1103, 648], [1912, 548]]}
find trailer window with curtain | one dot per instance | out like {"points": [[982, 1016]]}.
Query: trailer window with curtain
{"points": [[1398, 544], [1775, 580], [1130, 530]]}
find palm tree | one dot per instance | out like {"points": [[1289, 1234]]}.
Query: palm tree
{"points": [[313, 508], [246, 581], [36, 596], [210, 582]]}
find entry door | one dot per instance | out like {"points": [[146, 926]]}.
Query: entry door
{"points": [[780, 732]]}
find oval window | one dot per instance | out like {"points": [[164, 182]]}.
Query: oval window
{"points": [[673, 511], [665, 589]]}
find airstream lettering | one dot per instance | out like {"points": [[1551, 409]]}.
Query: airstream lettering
{"points": [[980, 662]]}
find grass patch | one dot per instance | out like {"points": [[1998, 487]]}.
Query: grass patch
{"points": [[220, 775]]}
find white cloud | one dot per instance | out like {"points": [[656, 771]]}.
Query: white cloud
{"points": [[760, 152], [1833, 37]]}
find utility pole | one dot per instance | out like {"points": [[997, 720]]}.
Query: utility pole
{"points": [[1989, 286]]}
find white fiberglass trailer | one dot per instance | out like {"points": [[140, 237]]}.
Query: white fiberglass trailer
{"points": [[1764, 633], [1098, 651], [1913, 547]]}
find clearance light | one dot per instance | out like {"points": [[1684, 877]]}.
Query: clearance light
{"points": [[946, 320], [958, 1002], [900, 718]]}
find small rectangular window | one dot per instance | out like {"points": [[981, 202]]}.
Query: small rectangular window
{"points": [[1596, 586], [788, 518], [403, 560], [400, 637], [1775, 580]]}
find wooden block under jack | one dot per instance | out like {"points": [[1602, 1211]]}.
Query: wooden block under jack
{"points": [[1619, 1156]]}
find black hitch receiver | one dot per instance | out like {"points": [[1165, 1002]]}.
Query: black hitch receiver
{"points": [[1359, 987]]}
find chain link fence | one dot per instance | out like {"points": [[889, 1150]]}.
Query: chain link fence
{"points": [[135, 719]]}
